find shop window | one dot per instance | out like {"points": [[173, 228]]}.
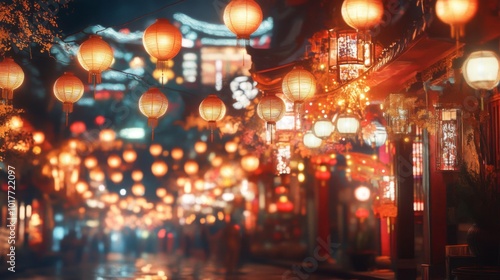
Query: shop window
{"points": [[448, 139]]}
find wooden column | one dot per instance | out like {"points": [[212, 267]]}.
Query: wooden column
{"points": [[405, 266]]}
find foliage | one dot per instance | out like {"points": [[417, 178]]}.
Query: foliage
{"points": [[24, 24], [403, 111], [14, 143]]}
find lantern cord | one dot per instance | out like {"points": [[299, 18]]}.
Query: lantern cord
{"points": [[142, 16], [152, 134], [66, 118]]}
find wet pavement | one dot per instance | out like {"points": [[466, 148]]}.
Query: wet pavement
{"points": [[158, 266]]}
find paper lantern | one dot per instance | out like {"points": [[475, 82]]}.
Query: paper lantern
{"points": [[11, 77], [311, 141], [250, 163], [456, 13], [153, 104], [347, 124], [323, 128], [129, 155], [362, 14], [114, 161], [298, 85], [191, 167], [81, 187], [95, 56], [38, 137], [481, 70], [163, 41], [159, 168], [242, 17], [212, 109], [377, 137], [68, 89], [271, 109]]}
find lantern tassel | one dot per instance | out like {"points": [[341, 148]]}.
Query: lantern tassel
{"points": [[152, 122], [212, 126]]}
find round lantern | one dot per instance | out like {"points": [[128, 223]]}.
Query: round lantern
{"points": [[362, 14], [95, 56], [153, 104], [250, 163], [347, 124], [159, 168], [114, 161], [456, 13], [68, 89], [161, 192], [311, 141], [212, 109], [200, 147], [231, 147], [155, 149], [129, 155], [163, 41], [138, 189], [137, 175], [116, 177], [298, 85], [242, 17], [271, 109], [97, 175], [38, 137], [11, 77], [177, 153], [323, 128], [191, 167], [377, 137], [481, 70]]}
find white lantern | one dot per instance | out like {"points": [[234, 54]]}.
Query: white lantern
{"points": [[481, 70], [377, 137], [323, 128], [347, 124], [311, 141]]}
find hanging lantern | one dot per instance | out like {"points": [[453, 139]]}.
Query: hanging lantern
{"points": [[481, 70], [242, 17], [11, 77], [298, 85], [95, 56], [155, 149], [271, 109], [163, 41], [81, 187], [107, 135], [200, 147], [114, 161], [323, 128], [212, 109], [90, 162], [311, 141], [153, 104], [347, 124], [250, 163], [129, 155], [191, 167], [456, 13], [362, 14], [377, 135], [68, 89], [138, 189], [177, 153], [159, 168]]}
